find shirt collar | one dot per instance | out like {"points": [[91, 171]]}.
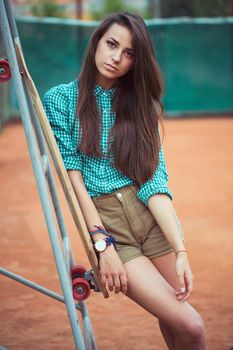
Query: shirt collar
{"points": [[102, 92]]}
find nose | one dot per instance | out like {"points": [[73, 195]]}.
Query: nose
{"points": [[116, 57]]}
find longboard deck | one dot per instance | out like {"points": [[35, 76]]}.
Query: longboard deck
{"points": [[60, 169]]}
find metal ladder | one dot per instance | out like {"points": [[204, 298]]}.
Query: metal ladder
{"points": [[43, 173]]}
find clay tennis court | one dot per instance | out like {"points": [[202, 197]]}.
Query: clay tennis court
{"points": [[199, 160]]}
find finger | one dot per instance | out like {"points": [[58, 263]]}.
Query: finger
{"points": [[103, 279], [185, 296], [181, 297], [189, 286], [117, 284], [189, 282], [124, 283], [110, 283], [181, 284], [181, 291]]}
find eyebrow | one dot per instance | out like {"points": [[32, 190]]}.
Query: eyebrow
{"points": [[116, 42]]}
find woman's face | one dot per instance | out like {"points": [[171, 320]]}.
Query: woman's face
{"points": [[114, 55]]}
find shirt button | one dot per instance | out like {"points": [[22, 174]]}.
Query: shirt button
{"points": [[119, 195]]}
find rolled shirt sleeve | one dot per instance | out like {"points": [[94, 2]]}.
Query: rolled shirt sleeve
{"points": [[57, 110], [157, 184]]}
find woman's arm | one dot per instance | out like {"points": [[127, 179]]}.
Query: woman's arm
{"points": [[111, 268], [162, 209], [56, 104]]}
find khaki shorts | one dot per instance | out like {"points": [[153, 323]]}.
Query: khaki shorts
{"points": [[131, 223]]}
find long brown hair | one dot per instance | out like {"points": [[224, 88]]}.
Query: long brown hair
{"points": [[135, 134]]}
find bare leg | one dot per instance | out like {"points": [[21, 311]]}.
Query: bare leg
{"points": [[166, 266], [148, 288], [167, 335]]}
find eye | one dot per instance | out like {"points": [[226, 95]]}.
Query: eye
{"points": [[111, 44], [129, 54]]}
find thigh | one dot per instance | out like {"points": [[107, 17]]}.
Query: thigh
{"points": [[166, 265], [148, 288]]}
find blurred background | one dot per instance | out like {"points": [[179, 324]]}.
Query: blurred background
{"points": [[193, 42], [97, 9]]}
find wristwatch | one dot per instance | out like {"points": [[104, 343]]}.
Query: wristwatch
{"points": [[102, 244]]}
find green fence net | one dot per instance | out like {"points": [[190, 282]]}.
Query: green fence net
{"points": [[195, 56]]}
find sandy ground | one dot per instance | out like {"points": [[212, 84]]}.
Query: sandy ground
{"points": [[200, 165]]}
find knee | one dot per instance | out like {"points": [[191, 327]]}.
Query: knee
{"points": [[194, 330]]}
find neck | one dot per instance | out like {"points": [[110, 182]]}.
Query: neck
{"points": [[106, 84]]}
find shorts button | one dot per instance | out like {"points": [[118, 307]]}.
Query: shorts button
{"points": [[119, 195]]}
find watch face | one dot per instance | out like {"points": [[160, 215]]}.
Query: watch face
{"points": [[100, 245]]}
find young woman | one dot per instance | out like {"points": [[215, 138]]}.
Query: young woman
{"points": [[106, 125]]}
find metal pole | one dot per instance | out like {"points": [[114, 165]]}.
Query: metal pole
{"points": [[40, 178], [31, 284], [79, 12], [155, 8], [67, 252]]}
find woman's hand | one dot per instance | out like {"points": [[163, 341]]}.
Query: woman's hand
{"points": [[112, 270], [185, 277]]}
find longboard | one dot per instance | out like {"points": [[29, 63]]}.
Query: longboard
{"points": [[60, 169]]}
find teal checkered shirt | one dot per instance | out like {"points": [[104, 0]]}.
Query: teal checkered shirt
{"points": [[99, 175]]}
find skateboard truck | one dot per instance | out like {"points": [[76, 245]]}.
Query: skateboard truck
{"points": [[5, 72], [89, 276]]}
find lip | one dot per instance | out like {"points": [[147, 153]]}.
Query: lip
{"points": [[111, 67]]}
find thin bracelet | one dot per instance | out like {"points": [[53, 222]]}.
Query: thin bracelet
{"points": [[100, 229], [181, 251]]}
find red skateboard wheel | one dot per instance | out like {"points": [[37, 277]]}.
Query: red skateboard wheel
{"points": [[81, 289], [5, 72], [77, 271]]}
